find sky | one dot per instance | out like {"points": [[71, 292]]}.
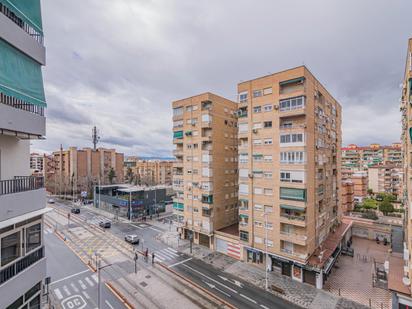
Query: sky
{"points": [[119, 64]]}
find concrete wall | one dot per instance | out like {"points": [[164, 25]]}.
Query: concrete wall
{"points": [[16, 204], [18, 120], [14, 156]]}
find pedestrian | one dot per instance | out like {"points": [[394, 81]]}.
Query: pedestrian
{"points": [[153, 257], [146, 255]]}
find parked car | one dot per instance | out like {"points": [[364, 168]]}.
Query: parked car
{"points": [[75, 210], [51, 201], [132, 239], [105, 224]]}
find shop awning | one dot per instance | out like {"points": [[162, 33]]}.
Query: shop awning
{"points": [[28, 10]]}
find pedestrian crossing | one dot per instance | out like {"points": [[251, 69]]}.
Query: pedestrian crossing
{"points": [[48, 231], [76, 287], [166, 254]]}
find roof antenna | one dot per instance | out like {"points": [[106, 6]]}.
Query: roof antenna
{"points": [[95, 137]]}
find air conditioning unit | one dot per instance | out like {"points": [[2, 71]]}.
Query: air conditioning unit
{"points": [[276, 106], [255, 130], [250, 175]]}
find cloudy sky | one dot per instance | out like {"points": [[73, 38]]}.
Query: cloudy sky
{"points": [[119, 64]]}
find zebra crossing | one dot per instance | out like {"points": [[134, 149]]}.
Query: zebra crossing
{"points": [[76, 286], [166, 254]]}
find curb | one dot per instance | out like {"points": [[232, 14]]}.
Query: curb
{"points": [[119, 295]]}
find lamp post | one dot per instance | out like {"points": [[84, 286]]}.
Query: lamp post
{"points": [[130, 206], [266, 249], [99, 268]]}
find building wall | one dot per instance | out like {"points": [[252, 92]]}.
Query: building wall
{"points": [[14, 157], [150, 172], [348, 197]]}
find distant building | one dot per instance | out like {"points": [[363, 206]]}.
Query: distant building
{"points": [[348, 196], [360, 185], [148, 172], [385, 179], [80, 169], [36, 163]]}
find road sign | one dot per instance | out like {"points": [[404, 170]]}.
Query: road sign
{"points": [[83, 194]]}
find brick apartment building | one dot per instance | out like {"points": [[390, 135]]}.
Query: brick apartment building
{"points": [[148, 172]]}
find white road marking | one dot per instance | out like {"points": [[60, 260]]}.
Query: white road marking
{"points": [[157, 257], [82, 284], [211, 279], [74, 287], [62, 279], [66, 290], [162, 256], [212, 286], [58, 293], [171, 252], [88, 297], [248, 298], [155, 229], [90, 282], [107, 303], [134, 225], [167, 254], [235, 282], [264, 307], [94, 277], [181, 262]]}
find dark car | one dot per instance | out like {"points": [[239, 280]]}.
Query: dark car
{"points": [[105, 224], [132, 239], [75, 210]]}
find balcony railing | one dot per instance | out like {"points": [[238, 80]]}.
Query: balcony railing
{"points": [[22, 24], [20, 104], [21, 184], [20, 265]]}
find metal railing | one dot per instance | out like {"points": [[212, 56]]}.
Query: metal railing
{"points": [[293, 217], [21, 184], [20, 104], [36, 35], [20, 265]]}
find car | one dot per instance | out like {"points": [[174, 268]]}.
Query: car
{"points": [[75, 210], [51, 201], [132, 239], [105, 224]]}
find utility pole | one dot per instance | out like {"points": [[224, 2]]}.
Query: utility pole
{"points": [[95, 137], [98, 283], [265, 214]]}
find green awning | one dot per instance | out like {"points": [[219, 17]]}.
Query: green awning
{"points": [[243, 216], [28, 10], [410, 134], [292, 81], [410, 86], [257, 172], [178, 134], [290, 207], [257, 155], [243, 200], [20, 76]]}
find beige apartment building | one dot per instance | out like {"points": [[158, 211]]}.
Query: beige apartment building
{"points": [[360, 185], [148, 172], [348, 196], [80, 169], [205, 171], [289, 174], [385, 179]]}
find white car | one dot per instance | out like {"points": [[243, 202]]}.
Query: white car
{"points": [[51, 201]]}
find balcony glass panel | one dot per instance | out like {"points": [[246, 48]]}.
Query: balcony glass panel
{"points": [[293, 194]]}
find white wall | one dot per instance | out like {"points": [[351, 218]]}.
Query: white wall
{"points": [[14, 157]]}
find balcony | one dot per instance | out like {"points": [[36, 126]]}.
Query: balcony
{"points": [[293, 238], [178, 164], [178, 152], [294, 254], [293, 219]]}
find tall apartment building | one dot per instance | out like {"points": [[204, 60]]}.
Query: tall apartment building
{"points": [[385, 179], [360, 185], [148, 172], [348, 196], [80, 169], [22, 196], [401, 284], [205, 170], [289, 174], [361, 157], [36, 163]]}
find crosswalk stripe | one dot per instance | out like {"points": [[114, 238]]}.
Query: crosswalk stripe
{"points": [[162, 256], [66, 290], [74, 287], [86, 295], [171, 252], [58, 293], [94, 277], [90, 282], [82, 284], [159, 258], [167, 254]]}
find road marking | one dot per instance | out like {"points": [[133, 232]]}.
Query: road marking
{"points": [[88, 297], [212, 286], [58, 293], [107, 302], [264, 307], [66, 289], [71, 276], [162, 256], [248, 298], [157, 257], [175, 251], [136, 226], [155, 229], [181, 262], [90, 282], [211, 279], [171, 252], [94, 277], [167, 254], [235, 282], [74, 287]]}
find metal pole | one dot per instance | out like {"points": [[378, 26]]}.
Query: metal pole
{"points": [[98, 285], [266, 249], [130, 206], [99, 191]]}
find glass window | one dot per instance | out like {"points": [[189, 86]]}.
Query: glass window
{"points": [[35, 303], [267, 90], [33, 237], [16, 304], [257, 109], [267, 124], [293, 194], [243, 97], [32, 291], [10, 248], [257, 93]]}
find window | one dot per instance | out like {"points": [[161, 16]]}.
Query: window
{"points": [[10, 248], [267, 124], [292, 157], [243, 96], [243, 172], [258, 240], [293, 194], [258, 207], [206, 118], [291, 138], [243, 188], [243, 235], [207, 172], [291, 104], [268, 208], [33, 237], [257, 93], [268, 141], [267, 90], [267, 107], [269, 226], [177, 111], [292, 176], [178, 124], [257, 109], [243, 158], [258, 224], [286, 125], [258, 190], [257, 157], [267, 158], [257, 142], [267, 174], [243, 127], [257, 125], [267, 191]]}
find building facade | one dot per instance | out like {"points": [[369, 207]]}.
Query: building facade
{"points": [[22, 196], [36, 163], [77, 170], [148, 172], [385, 179], [289, 174], [205, 170], [348, 196], [360, 185]]}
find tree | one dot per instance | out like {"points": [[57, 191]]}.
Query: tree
{"points": [[111, 175], [386, 207], [370, 192], [369, 203], [129, 175]]}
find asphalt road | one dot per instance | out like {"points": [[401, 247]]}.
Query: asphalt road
{"points": [[72, 283]]}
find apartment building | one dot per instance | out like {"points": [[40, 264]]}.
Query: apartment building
{"points": [[360, 185], [289, 174], [348, 196], [385, 179], [80, 169], [361, 157], [205, 171], [400, 273], [22, 196], [148, 172], [36, 163]]}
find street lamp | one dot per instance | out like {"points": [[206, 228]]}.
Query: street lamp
{"points": [[265, 214], [99, 268]]}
